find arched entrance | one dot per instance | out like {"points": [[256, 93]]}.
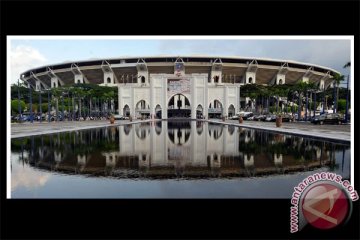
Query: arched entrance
{"points": [[179, 107], [179, 132], [199, 112], [126, 111], [158, 111], [142, 109], [231, 110], [215, 109]]}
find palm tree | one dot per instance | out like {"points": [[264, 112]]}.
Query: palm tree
{"points": [[337, 79], [79, 93], [56, 93], [299, 88], [347, 65], [251, 91]]}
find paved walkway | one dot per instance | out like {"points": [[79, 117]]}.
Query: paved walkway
{"points": [[36, 128], [333, 132], [328, 131]]}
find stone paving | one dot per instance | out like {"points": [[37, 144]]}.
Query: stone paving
{"points": [[333, 132], [36, 128], [328, 131]]}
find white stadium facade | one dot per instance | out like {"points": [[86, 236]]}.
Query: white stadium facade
{"points": [[182, 86]]}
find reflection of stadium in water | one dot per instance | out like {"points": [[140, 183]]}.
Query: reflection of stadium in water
{"points": [[176, 149]]}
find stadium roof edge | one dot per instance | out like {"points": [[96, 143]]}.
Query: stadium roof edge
{"points": [[186, 56]]}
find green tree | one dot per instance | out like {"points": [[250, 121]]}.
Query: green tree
{"points": [[44, 107], [251, 91], [342, 105], [337, 79], [34, 107], [15, 106]]}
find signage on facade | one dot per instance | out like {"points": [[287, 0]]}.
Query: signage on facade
{"points": [[176, 86]]}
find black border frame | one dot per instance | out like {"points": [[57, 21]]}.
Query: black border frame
{"points": [[209, 218]]}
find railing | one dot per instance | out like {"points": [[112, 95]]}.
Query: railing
{"points": [[215, 110], [142, 110]]}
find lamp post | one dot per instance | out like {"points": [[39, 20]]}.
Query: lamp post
{"points": [[299, 106], [30, 100], [40, 105], [314, 102], [62, 107], [69, 114], [49, 115], [334, 98], [347, 100], [323, 109], [19, 105], [307, 104]]}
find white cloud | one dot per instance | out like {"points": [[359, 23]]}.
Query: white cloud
{"points": [[24, 58], [26, 177]]}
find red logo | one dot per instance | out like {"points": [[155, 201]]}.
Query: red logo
{"points": [[325, 206]]}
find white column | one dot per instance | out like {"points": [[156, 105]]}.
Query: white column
{"points": [[132, 107], [164, 110], [152, 99], [182, 139], [225, 110], [78, 78], [237, 104], [120, 104], [194, 98], [206, 103], [193, 147], [37, 85], [54, 82]]}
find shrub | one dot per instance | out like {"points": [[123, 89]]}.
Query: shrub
{"points": [[15, 105]]}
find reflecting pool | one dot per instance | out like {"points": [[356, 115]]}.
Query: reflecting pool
{"points": [[179, 159]]}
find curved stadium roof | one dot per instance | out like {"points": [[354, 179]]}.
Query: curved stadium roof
{"points": [[233, 69]]}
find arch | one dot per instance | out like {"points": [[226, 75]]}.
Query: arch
{"points": [[142, 79], [216, 79], [158, 111], [199, 127], [215, 109], [199, 111], [141, 132], [78, 81], [179, 106], [126, 111], [127, 129], [142, 109], [141, 104], [108, 80], [250, 80], [231, 129], [217, 133], [158, 127], [280, 81], [179, 136], [54, 85], [231, 110]]}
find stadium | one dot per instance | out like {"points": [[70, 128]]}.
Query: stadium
{"points": [[178, 86]]}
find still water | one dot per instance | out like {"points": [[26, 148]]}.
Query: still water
{"points": [[169, 160]]}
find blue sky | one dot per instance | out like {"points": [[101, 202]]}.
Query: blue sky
{"points": [[31, 53]]}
